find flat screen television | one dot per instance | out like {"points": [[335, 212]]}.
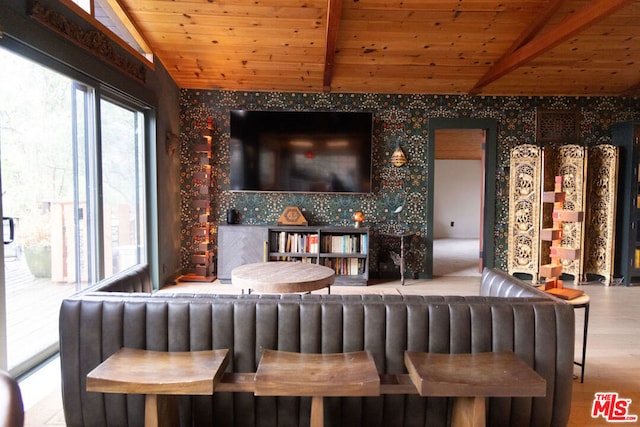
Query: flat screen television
{"points": [[301, 151]]}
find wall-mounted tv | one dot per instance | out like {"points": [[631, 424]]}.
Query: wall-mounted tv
{"points": [[301, 151]]}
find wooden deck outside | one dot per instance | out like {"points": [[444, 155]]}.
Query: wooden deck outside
{"points": [[32, 311]]}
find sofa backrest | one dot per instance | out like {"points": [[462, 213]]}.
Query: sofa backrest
{"points": [[92, 327], [497, 283], [135, 279]]}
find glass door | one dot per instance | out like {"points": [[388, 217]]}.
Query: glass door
{"points": [[43, 135]]}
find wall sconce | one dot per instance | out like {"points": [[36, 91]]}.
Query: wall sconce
{"points": [[398, 158]]}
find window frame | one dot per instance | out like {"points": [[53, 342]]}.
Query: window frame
{"points": [[123, 23], [128, 103], [35, 42], [150, 163]]}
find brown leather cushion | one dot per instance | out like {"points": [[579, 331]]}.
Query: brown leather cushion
{"points": [[497, 283], [11, 409]]}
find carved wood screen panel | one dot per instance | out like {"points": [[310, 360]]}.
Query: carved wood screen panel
{"points": [[600, 222], [572, 166], [524, 210]]}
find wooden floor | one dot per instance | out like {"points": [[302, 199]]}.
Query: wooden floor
{"points": [[32, 311], [613, 348]]}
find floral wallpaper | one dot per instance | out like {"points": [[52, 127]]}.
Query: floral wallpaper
{"points": [[403, 117]]}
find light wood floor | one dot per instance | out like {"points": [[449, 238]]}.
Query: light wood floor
{"points": [[613, 348]]}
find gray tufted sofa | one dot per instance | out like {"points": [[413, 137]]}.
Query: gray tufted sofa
{"points": [[134, 279], [539, 329], [497, 283]]}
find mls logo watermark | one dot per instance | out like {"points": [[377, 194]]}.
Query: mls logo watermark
{"points": [[612, 408]]}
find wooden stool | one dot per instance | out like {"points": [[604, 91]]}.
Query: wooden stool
{"points": [[582, 302], [160, 376], [470, 379], [282, 373]]}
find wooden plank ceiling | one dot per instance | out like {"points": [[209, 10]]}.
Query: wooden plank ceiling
{"points": [[459, 144], [486, 47]]}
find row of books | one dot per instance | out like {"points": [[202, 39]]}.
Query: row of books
{"points": [[310, 260], [297, 242], [291, 242], [345, 266], [344, 243]]}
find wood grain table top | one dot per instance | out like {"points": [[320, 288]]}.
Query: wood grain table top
{"points": [[155, 372], [283, 373], [282, 277], [476, 374]]}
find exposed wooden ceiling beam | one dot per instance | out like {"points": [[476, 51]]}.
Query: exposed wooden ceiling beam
{"points": [[594, 12], [633, 90], [334, 11], [535, 26]]}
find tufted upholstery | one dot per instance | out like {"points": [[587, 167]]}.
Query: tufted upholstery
{"points": [[497, 283], [11, 408], [92, 327], [134, 279]]}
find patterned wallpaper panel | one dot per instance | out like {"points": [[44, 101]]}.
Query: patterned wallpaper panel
{"points": [[395, 116]]}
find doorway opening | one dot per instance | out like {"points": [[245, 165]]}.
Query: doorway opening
{"points": [[458, 197], [462, 165]]}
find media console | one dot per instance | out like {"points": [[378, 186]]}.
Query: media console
{"points": [[343, 249]]}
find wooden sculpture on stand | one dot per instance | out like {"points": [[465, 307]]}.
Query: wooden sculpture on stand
{"points": [[201, 267], [552, 271], [571, 164]]}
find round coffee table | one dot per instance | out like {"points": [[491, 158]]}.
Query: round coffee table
{"points": [[282, 277]]}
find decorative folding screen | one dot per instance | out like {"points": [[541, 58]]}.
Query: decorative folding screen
{"points": [[600, 214], [524, 210], [591, 190]]}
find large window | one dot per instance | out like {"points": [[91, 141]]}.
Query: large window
{"points": [[72, 181], [122, 201]]}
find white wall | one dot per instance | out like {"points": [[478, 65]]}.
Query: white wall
{"points": [[457, 198]]}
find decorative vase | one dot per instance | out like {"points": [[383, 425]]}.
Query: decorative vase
{"points": [[39, 260]]}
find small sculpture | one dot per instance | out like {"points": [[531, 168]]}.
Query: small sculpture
{"points": [[398, 210], [358, 218]]}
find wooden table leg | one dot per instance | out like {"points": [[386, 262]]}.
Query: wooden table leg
{"points": [[469, 412], [317, 411], [161, 411]]}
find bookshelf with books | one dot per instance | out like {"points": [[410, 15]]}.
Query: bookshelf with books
{"points": [[293, 243], [343, 249]]}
